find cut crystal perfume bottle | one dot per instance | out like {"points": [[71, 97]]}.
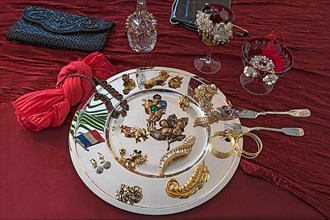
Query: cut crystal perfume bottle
{"points": [[141, 28]]}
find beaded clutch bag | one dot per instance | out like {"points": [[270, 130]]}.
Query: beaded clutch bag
{"points": [[57, 29]]}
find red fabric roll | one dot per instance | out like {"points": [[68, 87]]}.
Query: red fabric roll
{"points": [[48, 108]]}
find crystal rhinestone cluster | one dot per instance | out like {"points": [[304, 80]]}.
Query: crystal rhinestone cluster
{"points": [[129, 194], [213, 33], [261, 63], [270, 79], [250, 71]]}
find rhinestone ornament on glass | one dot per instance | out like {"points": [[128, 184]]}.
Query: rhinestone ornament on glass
{"points": [[270, 79], [249, 71], [262, 63]]}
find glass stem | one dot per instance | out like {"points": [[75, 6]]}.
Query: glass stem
{"points": [[141, 8], [209, 55]]}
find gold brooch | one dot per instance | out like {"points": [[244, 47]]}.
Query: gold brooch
{"points": [[200, 176], [183, 102], [175, 82], [132, 162], [171, 129], [204, 94], [155, 108], [134, 132], [129, 194], [129, 84], [158, 80]]}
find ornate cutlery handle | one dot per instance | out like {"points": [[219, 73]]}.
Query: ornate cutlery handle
{"points": [[294, 112], [287, 131]]}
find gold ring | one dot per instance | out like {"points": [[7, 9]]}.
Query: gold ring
{"points": [[216, 153], [248, 155]]}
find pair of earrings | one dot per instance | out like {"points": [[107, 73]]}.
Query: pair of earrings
{"points": [[104, 164]]}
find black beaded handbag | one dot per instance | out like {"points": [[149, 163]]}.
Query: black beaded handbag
{"points": [[57, 29]]}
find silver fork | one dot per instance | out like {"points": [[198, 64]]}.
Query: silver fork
{"points": [[239, 129]]}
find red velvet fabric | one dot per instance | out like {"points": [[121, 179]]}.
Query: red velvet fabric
{"points": [[49, 108], [37, 177]]}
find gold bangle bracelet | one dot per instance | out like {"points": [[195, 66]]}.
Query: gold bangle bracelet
{"points": [[216, 153], [249, 155]]}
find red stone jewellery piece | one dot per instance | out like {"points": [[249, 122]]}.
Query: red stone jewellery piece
{"points": [[107, 101], [104, 98]]}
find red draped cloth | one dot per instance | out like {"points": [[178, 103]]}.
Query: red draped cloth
{"points": [[48, 108], [299, 165]]}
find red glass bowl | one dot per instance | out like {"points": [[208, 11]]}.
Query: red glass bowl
{"points": [[253, 47]]}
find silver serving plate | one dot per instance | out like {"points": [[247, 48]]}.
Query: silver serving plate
{"points": [[155, 200]]}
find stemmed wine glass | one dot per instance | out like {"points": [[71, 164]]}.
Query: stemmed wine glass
{"points": [[261, 70], [214, 25]]}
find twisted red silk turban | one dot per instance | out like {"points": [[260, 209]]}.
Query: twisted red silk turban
{"points": [[49, 108]]}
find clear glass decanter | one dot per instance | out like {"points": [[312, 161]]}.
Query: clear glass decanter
{"points": [[141, 28]]}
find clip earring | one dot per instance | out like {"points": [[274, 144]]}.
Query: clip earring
{"points": [[98, 169], [105, 164]]}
